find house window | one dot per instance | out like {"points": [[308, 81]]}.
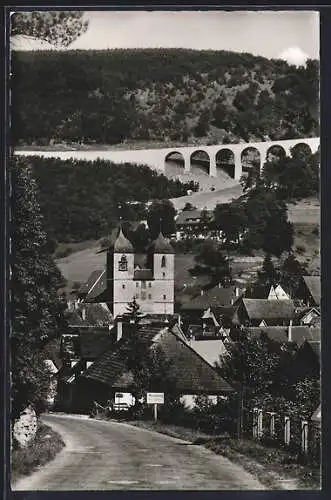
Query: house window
{"points": [[163, 261], [123, 264], [149, 296], [123, 286], [163, 274], [164, 297], [143, 295], [143, 285], [137, 295], [137, 284], [149, 285]]}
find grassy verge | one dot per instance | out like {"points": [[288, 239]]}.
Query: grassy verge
{"points": [[276, 469], [26, 460]]}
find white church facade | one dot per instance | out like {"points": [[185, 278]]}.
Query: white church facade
{"points": [[123, 280], [152, 288]]}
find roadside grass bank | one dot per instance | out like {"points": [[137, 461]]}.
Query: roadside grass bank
{"points": [[276, 469], [46, 445]]}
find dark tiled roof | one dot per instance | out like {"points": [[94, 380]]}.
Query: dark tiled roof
{"points": [[98, 287], [191, 217], [280, 333], [221, 296], [313, 283], [143, 274], [84, 289], [269, 309], [191, 372], [93, 342]]}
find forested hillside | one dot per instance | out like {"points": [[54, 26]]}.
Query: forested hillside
{"points": [[160, 95], [83, 200]]}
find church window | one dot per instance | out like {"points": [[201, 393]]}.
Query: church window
{"points": [[163, 274], [163, 261], [164, 297], [123, 264]]}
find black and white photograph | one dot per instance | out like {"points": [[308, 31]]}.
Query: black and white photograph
{"points": [[164, 268]]}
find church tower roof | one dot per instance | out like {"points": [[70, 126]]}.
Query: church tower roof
{"points": [[122, 244], [162, 245]]}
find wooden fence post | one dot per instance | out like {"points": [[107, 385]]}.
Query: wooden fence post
{"points": [[287, 430], [304, 436], [272, 423], [255, 434], [259, 423]]}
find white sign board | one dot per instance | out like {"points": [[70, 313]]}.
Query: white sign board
{"points": [[155, 398]]}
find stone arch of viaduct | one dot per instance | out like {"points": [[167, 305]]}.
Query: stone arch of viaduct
{"points": [[156, 158], [237, 150]]}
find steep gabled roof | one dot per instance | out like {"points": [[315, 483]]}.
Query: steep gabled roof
{"points": [[280, 333], [91, 280], [192, 373], [93, 342], [313, 283], [258, 309], [98, 287]]}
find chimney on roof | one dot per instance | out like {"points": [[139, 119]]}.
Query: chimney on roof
{"points": [[119, 328], [290, 331]]}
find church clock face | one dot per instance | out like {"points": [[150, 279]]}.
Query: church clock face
{"points": [[123, 263]]}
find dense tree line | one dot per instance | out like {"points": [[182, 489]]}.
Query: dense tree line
{"points": [[160, 94], [83, 200]]}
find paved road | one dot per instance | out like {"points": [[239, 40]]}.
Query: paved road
{"points": [[103, 455]]}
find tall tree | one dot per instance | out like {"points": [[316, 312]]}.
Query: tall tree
{"points": [[291, 273], [231, 219], [161, 217], [36, 307], [210, 261], [268, 227], [60, 28]]}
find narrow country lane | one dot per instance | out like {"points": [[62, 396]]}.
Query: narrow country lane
{"points": [[102, 455]]}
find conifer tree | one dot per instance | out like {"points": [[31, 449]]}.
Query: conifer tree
{"points": [[36, 307]]}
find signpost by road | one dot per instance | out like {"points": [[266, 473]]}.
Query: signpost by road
{"points": [[155, 398]]}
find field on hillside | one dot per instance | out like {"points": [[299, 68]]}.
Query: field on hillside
{"points": [[304, 215]]}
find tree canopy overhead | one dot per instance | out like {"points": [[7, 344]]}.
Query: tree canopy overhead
{"points": [[60, 28]]}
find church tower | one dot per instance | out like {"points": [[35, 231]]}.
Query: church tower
{"points": [[164, 276], [123, 273]]}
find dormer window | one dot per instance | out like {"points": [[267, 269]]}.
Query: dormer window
{"points": [[123, 264], [163, 261]]}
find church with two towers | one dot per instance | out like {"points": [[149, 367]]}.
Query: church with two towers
{"points": [[123, 279]]}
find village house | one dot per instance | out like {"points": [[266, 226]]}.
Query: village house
{"points": [[309, 291], [108, 375], [124, 279], [290, 333], [263, 312], [194, 224]]}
